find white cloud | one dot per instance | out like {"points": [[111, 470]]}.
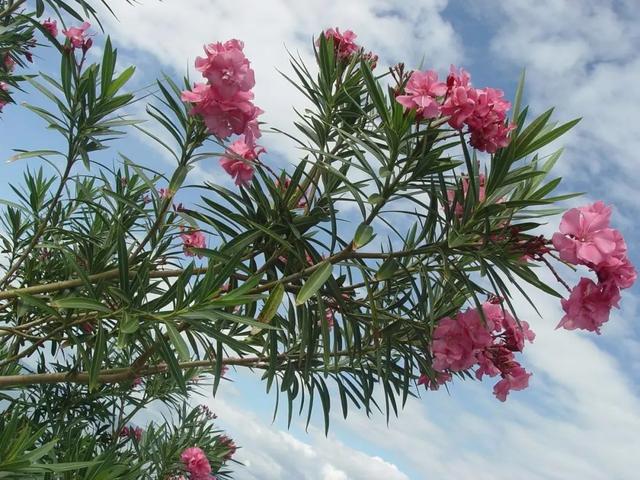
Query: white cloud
{"points": [[272, 454], [583, 58], [174, 34]]}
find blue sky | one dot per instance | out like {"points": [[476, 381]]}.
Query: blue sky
{"points": [[580, 417]]}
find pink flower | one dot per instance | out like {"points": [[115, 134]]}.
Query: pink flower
{"points": [[486, 123], [50, 26], [515, 335], [588, 306], [621, 274], [456, 341], [131, 432], [421, 92], [165, 193], [229, 444], [491, 136], [224, 116], [459, 106], [5, 88], [516, 379], [136, 382], [77, 36], [194, 239], [585, 237], [239, 161], [226, 68], [484, 111], [458, 78], [343, 43], [468, 340], [372, 58], [225, 101], [434, 384], [196, 462], [9, 63], [461, 98]]}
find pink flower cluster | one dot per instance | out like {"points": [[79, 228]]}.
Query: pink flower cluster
{"points": [[229, 444], [483, 111], [466, 341], [130, 432], [225, 100], [585, 238], [193, 239], [343, 43], [239, 160], [77, 35], [197, 464], [51, 26], [345, 46]]}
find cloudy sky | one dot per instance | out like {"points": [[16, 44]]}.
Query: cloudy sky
{"points": [[580, 418]]}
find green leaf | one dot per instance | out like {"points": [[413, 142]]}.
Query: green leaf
{"points": [[178, 341], [96, 360], [272, 304], [314, 282], [387, 269], [364, 234], [375, 198], [80, 303], [129, 324]]}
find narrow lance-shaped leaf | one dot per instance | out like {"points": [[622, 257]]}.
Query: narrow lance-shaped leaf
{"points": [[314, 282]]}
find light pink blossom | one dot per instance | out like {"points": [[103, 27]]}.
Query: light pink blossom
{"points": [[588, 306], [487, 342], [421, 94], [490, 136], [585, 237], [77, 36], [516, 379], [224, 116], [487, 122], [226, 68], [239, 161], [484, 111], [196, 462], [193, 239], [456, 341], [458, 78], [459, 105], [343, 43], [50, 26]]}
